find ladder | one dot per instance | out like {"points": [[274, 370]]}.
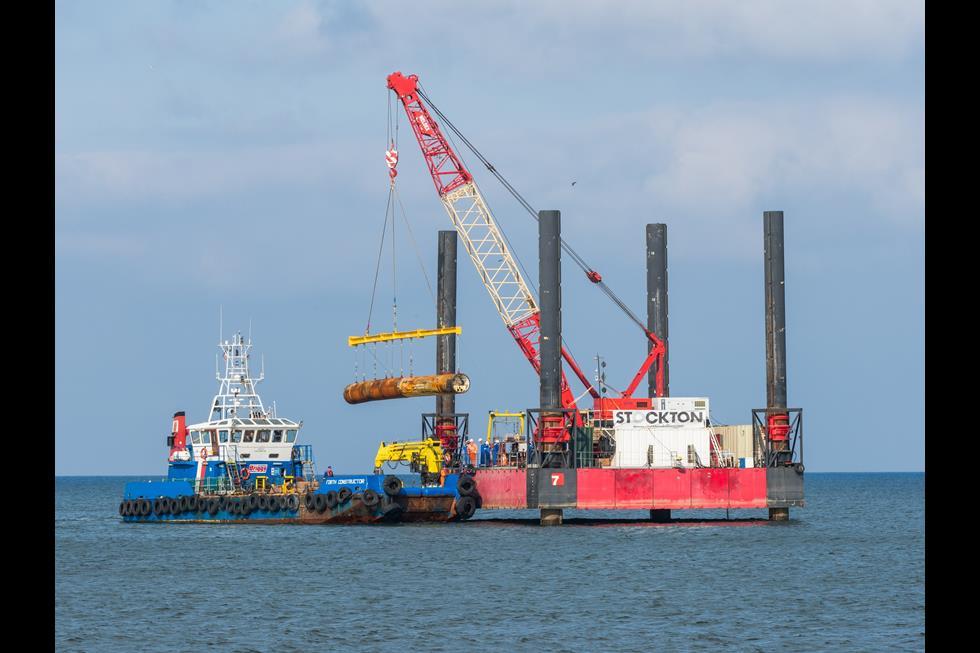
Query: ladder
{"points": [[304, 455], [309, 468], [720, 457], [229, 454]]}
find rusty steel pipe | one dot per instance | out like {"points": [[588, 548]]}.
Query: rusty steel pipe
{"points": [[406, 386]]}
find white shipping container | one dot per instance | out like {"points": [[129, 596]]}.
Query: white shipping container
{"points": [[737, 439], [661, 447]]}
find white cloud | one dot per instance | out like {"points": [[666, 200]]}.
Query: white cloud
{"points": [[149, 174], [550, 30], [731, 155], [299, 31]]}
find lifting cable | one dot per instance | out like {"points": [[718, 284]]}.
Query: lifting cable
{"points": [[390, 213], [377, 267], [589, 271]]}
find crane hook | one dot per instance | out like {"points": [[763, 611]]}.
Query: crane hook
{"points": [[391, 159]]}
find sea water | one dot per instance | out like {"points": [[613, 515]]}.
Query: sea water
{"points": [[845, 573]]}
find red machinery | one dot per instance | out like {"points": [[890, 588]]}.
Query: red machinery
{"points": [[490, 254]]}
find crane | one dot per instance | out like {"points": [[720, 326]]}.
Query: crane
{"points": [[488, 249]]}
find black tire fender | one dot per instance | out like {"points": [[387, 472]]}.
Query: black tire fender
{"points": [[123, 508], [466, 486], [158, 506], [292, 502], [331, 499], [309, 501], [799, 468], [391, 512], [344, 495], [392, 485], [213, 505], [252, 502], [319, 502], [262, 503], [370, 498], [465, 507]]}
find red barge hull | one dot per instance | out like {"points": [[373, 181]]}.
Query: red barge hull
{"points": [[640, 489]]}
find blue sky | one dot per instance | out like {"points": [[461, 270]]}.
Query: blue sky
{"points": [[231, 154]]}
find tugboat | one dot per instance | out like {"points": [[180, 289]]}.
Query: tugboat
{"points": [[245, 464]]}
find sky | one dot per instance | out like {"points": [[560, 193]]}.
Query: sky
{"points": [[228, 158]]}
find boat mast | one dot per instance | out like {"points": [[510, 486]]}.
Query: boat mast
{"points": [[237, 396]]}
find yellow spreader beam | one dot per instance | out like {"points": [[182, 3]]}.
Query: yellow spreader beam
{"points": [[353, 341]]}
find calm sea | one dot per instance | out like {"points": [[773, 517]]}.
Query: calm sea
{"points": [[846, 573]]}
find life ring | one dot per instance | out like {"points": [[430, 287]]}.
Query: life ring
{"points": [[204, 453], [245, 473]]}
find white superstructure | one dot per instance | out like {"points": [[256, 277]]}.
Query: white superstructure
{"points": [[241, 431]]}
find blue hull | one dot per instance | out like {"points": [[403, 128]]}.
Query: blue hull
{"points": [[413, 502]]}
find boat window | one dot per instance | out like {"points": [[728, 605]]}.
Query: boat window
{"points": [[223, 436], [236, 436], [291, 435], [195, 437], [208, 437], [263, 435], [277, 435], [249, 436]]}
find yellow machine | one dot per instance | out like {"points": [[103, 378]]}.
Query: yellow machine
{"points": [[507, 429], [505, 424], [423, 457]]}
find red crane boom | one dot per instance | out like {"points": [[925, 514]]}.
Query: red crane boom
{"points": [[487, 248]]}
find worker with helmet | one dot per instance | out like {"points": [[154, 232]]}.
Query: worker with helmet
{"points": [[471, 451]]}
